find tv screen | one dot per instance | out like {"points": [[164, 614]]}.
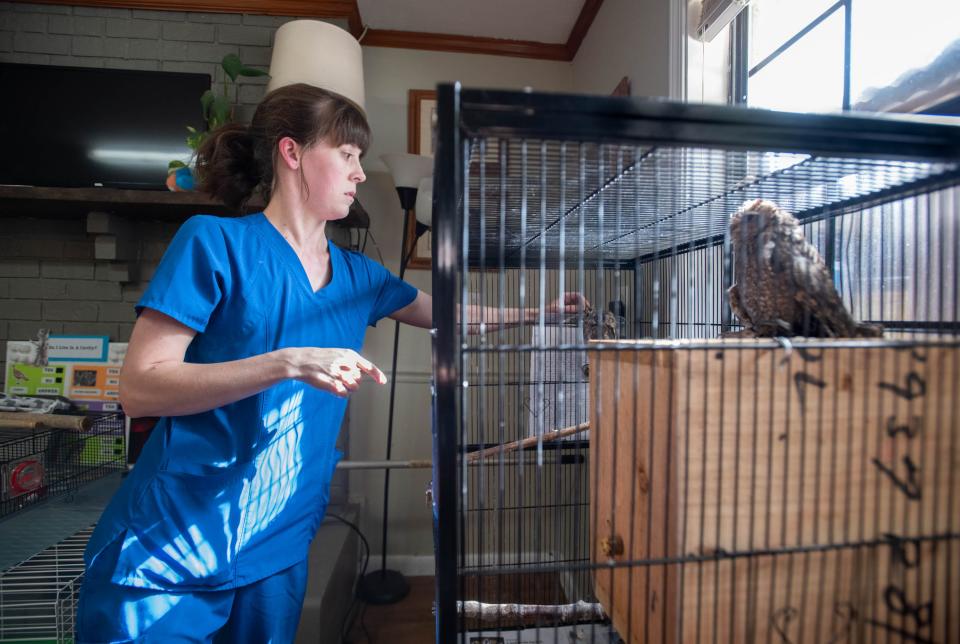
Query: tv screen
{"points": [[85, 127]]}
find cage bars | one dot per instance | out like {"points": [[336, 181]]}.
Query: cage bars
{"points": [[648, 188]]}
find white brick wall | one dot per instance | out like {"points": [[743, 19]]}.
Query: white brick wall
{"points": [[130, 39], [50, 279], [48, 275]]}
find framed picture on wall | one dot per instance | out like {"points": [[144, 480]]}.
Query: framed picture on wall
{"points": [[622, 88], [421, 118]]}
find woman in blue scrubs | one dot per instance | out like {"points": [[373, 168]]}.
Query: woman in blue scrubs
{"points": [[246, 344]]}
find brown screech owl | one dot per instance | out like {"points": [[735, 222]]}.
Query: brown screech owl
{"points": [[599, 326], [783, 286]]}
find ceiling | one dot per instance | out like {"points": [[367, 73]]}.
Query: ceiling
{"points": [[546, 29], [551, 29], [545, 21]]}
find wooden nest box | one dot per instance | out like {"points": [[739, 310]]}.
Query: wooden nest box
{"points": [[742, 492]]}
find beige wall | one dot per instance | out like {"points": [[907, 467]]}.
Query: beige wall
{"points": [[628, 38], [388, 75]]}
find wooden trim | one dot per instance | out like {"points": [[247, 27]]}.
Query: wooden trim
{"points": [[414, 98], [464, 44], [413, 121], [622, 88], [348, 10], [492, 46], [136, 204], [355, 21], [311, 8], [580, 28]]}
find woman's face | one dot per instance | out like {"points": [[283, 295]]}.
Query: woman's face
{"points": [[331, 174]]}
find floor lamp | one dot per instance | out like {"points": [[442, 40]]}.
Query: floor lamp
{"points": [[409, 170]]}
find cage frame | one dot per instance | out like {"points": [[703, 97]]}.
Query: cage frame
{"points": [[465, 114], [61, 477], [38, 596]]}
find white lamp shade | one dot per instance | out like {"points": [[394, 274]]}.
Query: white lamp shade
{"points": [[319, 54], [408, 169], [424, 207]]}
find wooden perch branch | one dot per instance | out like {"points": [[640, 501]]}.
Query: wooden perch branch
{"points": [[547, 437], [29, 420], [559, 614]]}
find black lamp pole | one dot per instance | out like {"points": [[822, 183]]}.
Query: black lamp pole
{"points": [[390, 586]]}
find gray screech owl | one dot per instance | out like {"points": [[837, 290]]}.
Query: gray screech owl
{"points": [[783, 286]]}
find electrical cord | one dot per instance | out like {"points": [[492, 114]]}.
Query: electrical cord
{"points": [[376, 246], [366, 560], [354, 245]]}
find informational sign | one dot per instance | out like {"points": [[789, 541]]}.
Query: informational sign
{"points": [[77, 348], [558, 393], [93, 384], [28, 380]]}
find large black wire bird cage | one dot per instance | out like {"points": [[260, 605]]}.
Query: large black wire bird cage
{"points": [[632, 473]]}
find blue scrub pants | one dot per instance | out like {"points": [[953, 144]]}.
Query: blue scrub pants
{"points": [[264, 611]]}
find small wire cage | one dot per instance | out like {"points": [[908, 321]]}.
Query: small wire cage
{"points": [[646, 469], [38, 464], [38, 597]]}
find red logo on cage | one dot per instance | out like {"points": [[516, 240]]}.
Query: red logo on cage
{"points": [[27, 476]]}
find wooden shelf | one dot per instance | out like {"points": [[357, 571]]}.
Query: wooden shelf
{"points": [[142, 204]]}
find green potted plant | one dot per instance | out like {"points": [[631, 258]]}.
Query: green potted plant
{"points": [[218, 109]]}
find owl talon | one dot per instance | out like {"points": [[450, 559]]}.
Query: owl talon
{"points": [[784, 342]]}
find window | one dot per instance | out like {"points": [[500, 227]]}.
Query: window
{"points": [[898, 54], [796, 54], [829, 55]]}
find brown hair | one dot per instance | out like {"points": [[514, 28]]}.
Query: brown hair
{"points": [[236, 160]]}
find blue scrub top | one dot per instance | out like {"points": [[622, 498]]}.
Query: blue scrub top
{"points": [[227, 497]]}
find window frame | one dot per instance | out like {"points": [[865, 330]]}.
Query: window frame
{"points": [[741, 72]]}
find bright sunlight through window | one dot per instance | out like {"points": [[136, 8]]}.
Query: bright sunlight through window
{"points": [[888, 39]]}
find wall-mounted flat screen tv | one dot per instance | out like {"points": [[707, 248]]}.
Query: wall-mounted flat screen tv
{"points": [[85, 127]]}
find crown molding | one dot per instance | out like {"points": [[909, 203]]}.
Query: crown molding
{"points": [[588, 12], [493, 46], [311, 8], [355, 21], [348, 10], [463, 44]]}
